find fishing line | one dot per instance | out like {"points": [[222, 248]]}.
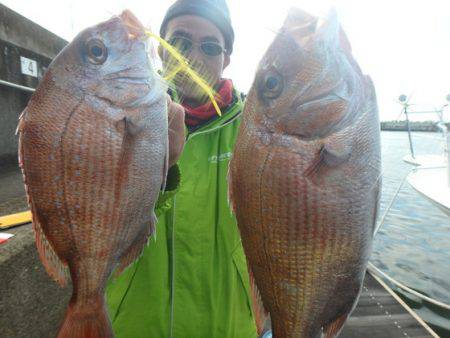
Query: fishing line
{"points": [[371, 267], [184, 66], [380, 223]]}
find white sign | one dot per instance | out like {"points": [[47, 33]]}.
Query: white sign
{"points": [[28, 66], [4, 237]]}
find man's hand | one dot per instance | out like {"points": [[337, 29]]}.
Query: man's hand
{"points": [[176, 130]]}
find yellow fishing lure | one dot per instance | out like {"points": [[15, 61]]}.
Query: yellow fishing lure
{"points": [[184, 66]]}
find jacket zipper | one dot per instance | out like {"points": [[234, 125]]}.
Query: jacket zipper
{"points": [[172, 278]]}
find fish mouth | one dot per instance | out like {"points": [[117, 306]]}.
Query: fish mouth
{"points": [[320, 101], [135, 28], [130, 75], [131, 79]]}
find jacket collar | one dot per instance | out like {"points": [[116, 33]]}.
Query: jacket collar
{"points": [[228, 114]]}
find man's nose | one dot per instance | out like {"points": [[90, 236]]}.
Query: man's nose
{"points": [[194, 54]]}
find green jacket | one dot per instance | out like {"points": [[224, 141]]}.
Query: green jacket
{"points": [[192, 279]]}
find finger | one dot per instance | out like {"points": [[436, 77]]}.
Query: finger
{"points": [[176, 114]]}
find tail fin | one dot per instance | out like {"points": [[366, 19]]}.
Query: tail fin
{"points": [[86, 321]]}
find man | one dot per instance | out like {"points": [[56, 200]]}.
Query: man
{"points": [[192, 279]]}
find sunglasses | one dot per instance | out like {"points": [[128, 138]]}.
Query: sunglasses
{"points": [[185, 45]]}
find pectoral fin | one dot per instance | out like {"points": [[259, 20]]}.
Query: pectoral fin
{"points": [[336, 154], [128, 126], [331, 155]]}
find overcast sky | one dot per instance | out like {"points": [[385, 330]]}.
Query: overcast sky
{"points": [[404, 45]]}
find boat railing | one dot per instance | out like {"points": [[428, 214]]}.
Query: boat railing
{"points": [[441, 124], [444, 128]]}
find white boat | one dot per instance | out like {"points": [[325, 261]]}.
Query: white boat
{"points": [[431, 177], [433, 183]]}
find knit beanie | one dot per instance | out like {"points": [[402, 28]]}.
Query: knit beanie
{"points": [[215, 11]]}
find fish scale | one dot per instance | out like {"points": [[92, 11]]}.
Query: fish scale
{"points": [[93, 148], [305, 178]]}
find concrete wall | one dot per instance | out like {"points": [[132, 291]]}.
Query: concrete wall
{"points": [[31, 304], [24, 33], [20, 37]]}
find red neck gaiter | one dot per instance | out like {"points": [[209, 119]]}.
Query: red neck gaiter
{"points": [[201, 114]]}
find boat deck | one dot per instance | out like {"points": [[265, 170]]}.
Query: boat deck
{"points": [[380, 313]]}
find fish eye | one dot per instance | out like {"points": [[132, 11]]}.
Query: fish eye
{"points": [[271, 85], [96, 51]]}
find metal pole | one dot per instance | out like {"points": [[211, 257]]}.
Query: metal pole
{"points": [[447, 152], [409, 131], [444, 127], [447, 136], [446, 149], [13, 85]]}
